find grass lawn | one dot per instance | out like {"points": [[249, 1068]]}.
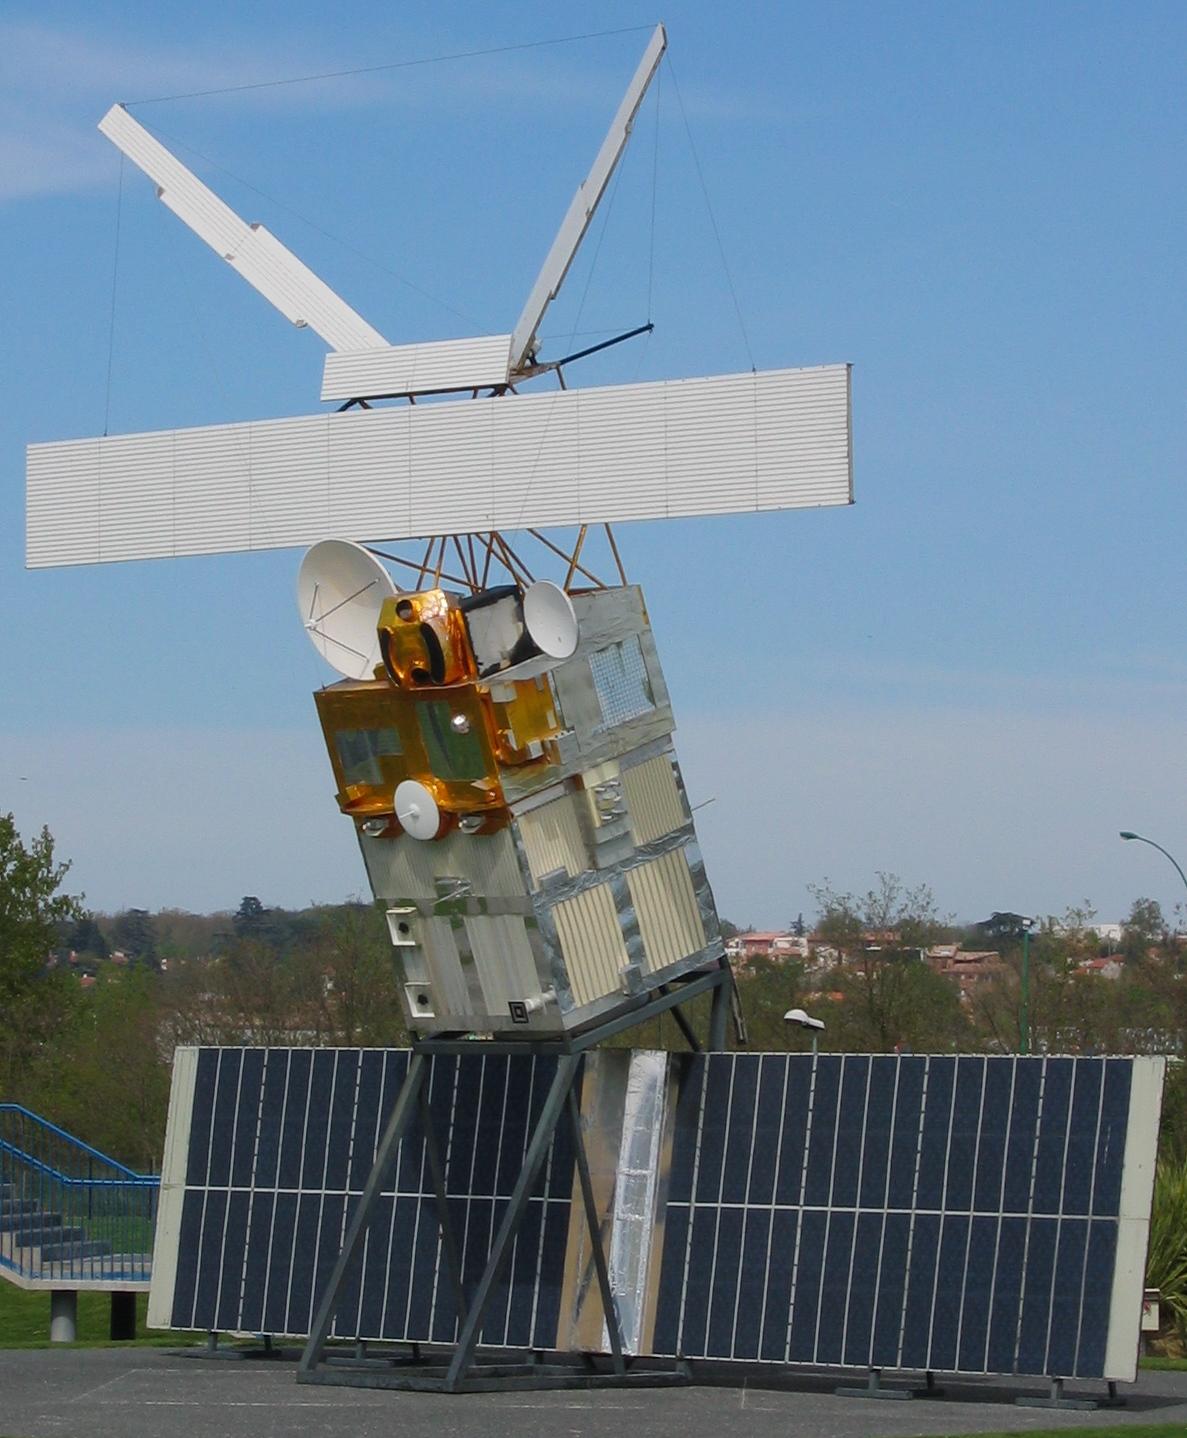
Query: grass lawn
{"points": [[24, 1321]]}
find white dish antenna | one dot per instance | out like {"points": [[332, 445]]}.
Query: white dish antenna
{"points": [[417, 810], [549, 619], [340, 590]]}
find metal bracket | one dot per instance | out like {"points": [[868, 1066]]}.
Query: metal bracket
{"points": [[1055, 1399], [874, 1389]]}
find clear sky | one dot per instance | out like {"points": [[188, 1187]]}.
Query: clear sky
{"points": [[973, 678]]}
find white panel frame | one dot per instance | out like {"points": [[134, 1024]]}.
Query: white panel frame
{"points": [[253, 251], [171, 1197], [1133, 1223], [727, 444], [584, 203], [417, 369]]}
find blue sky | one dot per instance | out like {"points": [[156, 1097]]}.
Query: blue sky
{"points": [[973, 678]]}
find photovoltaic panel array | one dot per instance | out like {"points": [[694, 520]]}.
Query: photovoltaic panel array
{"points": [[278, 1148], [943, 1213], [946, 1213]]}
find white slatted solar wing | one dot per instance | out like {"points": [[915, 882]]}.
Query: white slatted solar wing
{"points": [[252, 250], [778, 439]]}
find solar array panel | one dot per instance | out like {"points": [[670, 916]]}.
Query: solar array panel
{"points": [[958, 1214], [280, 1143], [945, 1213]]}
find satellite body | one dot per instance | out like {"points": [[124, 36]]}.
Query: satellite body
{"points": [[524, 824]]}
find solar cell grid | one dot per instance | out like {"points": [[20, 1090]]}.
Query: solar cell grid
{"points": [[952, 1213], [281, 1143], [949, 1213]]}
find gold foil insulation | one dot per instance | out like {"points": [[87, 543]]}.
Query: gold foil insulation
{"points": [[426, 716]]}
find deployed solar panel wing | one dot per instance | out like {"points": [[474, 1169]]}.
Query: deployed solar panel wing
{"points": [[727, 444], [952, 1214]]}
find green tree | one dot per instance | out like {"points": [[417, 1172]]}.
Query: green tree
{"points": [[33, 998], [348, 969], [135, 934], [1144, 929], [86, 937], [250, 918], [107, 1077], [887, 996]]}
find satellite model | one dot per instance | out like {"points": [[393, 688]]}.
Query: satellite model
{"points": [[502, 743]]}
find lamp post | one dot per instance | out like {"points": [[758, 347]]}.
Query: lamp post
{"points": [[1024, 1011], [1141, 838], [805, 1021]]}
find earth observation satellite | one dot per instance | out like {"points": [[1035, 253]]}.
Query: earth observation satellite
{"points": [[501, 742]]}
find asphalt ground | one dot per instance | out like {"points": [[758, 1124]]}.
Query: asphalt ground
{"points": [[154, 1393]]}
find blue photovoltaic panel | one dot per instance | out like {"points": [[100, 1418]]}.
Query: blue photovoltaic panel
{"points": [[280, 1145], [942, 1213]]}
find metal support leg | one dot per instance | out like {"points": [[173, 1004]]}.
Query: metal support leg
{"points": [[405, 1107], [609, 1302], [566, 1072], [719, 1014], [873, 1389], [444, 1219], [686, 1029], [1055, 1399]]}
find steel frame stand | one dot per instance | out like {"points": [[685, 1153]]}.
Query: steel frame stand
{"points": [[874, 1389], [1055, 1399], [460, 1373]]}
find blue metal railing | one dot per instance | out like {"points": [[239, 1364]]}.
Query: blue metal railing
{"points": [[68, 1212]]}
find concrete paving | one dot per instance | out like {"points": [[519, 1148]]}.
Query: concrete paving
{"points": [[153, 1393]]}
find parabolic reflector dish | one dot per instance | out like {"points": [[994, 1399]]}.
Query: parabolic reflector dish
{"points": [[549, 619], [340, 590]]}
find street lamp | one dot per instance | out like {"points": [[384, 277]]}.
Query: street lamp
{"points": [[805, 1021], [1141, 838]]}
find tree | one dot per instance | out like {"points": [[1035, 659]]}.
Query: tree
{"points": [[888, 997], [890, 919], [31, 908], [351, 973], [33, 998], [117, 1106], [86, 937], [135, 934], [1144, 928], [250, 917]]}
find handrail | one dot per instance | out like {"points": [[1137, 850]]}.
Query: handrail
{"points": [[69, 1214], [70, 1138], [131, 1179]]}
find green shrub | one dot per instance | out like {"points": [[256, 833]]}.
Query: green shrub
{"points": [[1166, 1262]]}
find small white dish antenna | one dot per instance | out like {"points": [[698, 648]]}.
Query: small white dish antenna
{"points": [[549, 619], [340, 590], [417, 810]]}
